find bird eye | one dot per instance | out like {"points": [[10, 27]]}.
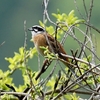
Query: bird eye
{"points": [[40, 29]]}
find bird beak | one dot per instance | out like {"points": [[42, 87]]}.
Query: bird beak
{"points": [[30, 29]]}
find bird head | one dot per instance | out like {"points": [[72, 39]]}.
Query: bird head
{"points": [[36, 29]]}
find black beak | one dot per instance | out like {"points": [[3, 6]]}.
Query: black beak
{"points": [[30, 29]]}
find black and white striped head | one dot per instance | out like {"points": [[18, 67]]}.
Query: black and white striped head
{"points": [[36, 29]]}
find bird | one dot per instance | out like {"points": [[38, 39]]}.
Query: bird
{"points": [[42, 38]]}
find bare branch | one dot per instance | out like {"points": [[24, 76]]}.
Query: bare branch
{"points": [[2, 43]]}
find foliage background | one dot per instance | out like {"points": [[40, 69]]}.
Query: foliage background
{"points": [[12, 16]]}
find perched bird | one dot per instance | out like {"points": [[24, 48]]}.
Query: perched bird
{"points": [[42, 38]]}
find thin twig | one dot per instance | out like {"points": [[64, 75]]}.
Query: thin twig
{"points": [[15, 93], [85, 8], [25, 63], [78, 9], [70, 91], [2, 43]]}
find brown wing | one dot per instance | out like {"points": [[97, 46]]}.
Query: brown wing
{"points": [[57, 47]]}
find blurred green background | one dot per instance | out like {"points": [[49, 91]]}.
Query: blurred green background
{"points": [[12, 16]]}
